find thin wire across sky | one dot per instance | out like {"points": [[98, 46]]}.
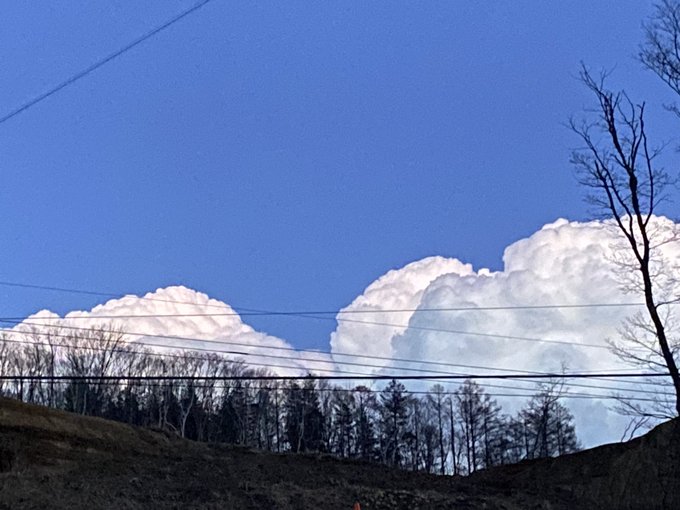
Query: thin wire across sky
{"points": [[96, 65], [431, 374]]}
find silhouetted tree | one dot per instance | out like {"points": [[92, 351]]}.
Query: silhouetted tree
{"points": [[548, 425], [366, 412], [394, 412], [660, 51], [617, 166], [395, 428], [436, 401]]}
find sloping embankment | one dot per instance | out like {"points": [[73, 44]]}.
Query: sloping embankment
{"points": [[52, 459]]}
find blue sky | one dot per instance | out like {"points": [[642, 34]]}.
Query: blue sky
{"points": [[284, 155]]}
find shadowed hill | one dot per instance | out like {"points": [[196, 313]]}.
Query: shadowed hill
{"points": [[53, 459], [642, 473]]}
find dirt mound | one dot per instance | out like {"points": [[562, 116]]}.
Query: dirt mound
{"points": [[52, 459], [639, 474]]}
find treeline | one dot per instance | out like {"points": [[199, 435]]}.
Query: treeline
{"points": [[438, 431]]}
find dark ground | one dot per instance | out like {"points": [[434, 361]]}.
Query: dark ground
{"points": [[52, 459]]}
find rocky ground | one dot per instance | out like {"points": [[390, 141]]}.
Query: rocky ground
{"points": [[52, 459]]}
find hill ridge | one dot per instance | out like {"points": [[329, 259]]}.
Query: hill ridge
{"points": [[55, 459]]}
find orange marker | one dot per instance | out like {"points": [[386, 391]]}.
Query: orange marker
{"points": [[357, 506]]}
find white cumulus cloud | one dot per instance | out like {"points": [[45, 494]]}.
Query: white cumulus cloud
{"points": [[184, 319], [563, 263], [399, 289]]}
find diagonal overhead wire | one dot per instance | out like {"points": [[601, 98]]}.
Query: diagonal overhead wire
{"points": [[301, 314], [36, 321], [81, 74], [312, 377], [191, 354], [243, 311], [294, 351], [319, 315]]}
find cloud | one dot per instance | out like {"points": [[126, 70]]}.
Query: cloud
{"points": [[173, 316], [399, 289], [563, 263]]}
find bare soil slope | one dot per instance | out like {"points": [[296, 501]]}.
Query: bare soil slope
{"points": [[52, 459]]}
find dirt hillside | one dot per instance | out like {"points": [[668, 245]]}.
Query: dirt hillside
{"points": [[52, 459]]}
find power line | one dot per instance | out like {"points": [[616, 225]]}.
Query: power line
{"points": [[361, 375], [103, 294], [32, 321], [72, 79], [256, 312], [242, 344], [236, 353], [476, 333], [278, 348], [319, 377], [518, 378], [337, 389], [334, 354], [319, 316], [265, 365], [310, 313]]}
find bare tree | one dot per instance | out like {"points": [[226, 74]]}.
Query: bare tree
{"points": [[547, 425], [660, 52], [212, 366], [476, 410], [619, 168], [367, 410], [189, 367], [343, 412], [638, 347], [455, 455], [436, 399], [398, 429], [6, 357]]}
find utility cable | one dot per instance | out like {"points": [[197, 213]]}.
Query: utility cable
{"points": [[188, 356], [81, 74]]}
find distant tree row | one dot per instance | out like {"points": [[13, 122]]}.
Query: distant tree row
{"points": [[439, 431]]}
